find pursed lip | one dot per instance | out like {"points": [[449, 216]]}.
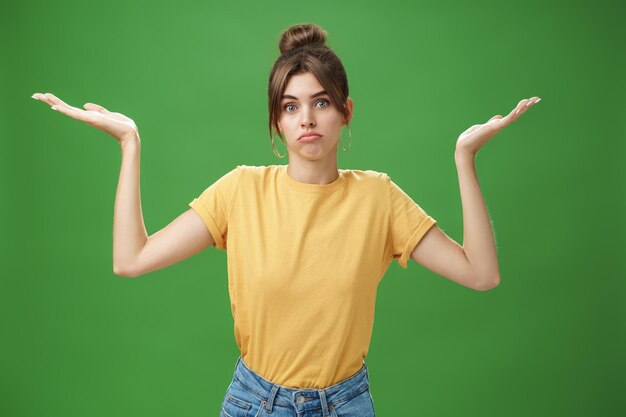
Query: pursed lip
{"points": [[312, 134]]}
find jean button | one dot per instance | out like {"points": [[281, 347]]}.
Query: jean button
{"points": [[300, 400]]}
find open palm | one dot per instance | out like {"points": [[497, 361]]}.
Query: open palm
{"points": [[476, 136], [115, 124]]}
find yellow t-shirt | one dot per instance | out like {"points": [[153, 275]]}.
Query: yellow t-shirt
{"points": [[304, 263]]}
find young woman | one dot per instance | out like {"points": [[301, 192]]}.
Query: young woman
{"points": [[307, 243]]}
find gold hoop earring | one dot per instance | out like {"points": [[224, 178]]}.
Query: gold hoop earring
{"points": [[274, 148], [349, 143]]}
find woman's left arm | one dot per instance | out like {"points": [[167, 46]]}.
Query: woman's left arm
{"points": [[475, 264]]}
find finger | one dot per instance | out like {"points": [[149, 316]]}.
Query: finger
{"points": [[521, 106], [55, 100], [58, 103], [42, 97], [64, 108], [522, 101], [95, 107], [514, 114], [104, 112], [528, 104], [532, 100], [509, 118], [73, 112]]}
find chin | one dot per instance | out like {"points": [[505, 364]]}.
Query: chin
{"points": [[312, 156]]}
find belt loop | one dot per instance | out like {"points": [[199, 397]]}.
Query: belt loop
{"points": [[270, 401], [322, 394]]}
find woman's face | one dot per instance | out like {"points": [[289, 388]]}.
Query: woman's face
{"points": [[305, 108]]}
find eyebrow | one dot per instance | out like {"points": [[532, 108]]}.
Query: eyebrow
{"points": [[319, 93]]}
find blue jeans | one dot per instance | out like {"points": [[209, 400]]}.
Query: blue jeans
{"points": [[250, 395]]}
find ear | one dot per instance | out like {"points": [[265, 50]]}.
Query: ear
{"points": [[350, 105]]}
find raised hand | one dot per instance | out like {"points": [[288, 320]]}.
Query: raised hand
{"points": [[117, 125], [476, 136]]}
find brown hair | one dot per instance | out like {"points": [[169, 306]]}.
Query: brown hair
{"points": [[303, 49]]}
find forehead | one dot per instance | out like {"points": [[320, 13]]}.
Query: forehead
{"points": [[302, 85]]}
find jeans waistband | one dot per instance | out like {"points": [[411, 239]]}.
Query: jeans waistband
{"points": [[302, 399]]}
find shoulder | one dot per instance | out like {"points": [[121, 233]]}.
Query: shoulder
{"points": [[365, 173], [255, 175], [257, 169], [367, 177]]}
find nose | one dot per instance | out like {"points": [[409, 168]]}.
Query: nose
{"points": [[307, 119]]}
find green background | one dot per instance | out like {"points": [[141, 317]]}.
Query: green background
{"points": [[78, 340]]}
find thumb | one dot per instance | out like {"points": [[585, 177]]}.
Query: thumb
{"points": [[96, 107], [495, 118]]}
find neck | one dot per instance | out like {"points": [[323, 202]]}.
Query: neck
{"points": [[313, 172]]}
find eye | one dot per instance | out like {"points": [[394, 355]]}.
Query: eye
{"points": [[286, 106], [327, 103]]}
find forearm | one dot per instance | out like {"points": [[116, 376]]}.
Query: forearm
{"points": [[478, 240], [129, 231]]}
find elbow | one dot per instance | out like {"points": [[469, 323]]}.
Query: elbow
{"points": [[488, 284], [127, 268], [121, 272]]}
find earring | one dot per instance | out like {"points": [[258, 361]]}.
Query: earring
{"points": [[349, 143], [274, 148]]}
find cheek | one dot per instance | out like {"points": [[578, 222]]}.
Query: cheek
{"points": [[286, 122], [287, 126], [334, 119], [335, 123]]}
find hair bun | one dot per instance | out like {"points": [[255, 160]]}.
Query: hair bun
{"points": [[296, 36]]}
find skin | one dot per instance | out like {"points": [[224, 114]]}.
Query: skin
{"points": [[473, 265], [313, 162], [115, 124]]}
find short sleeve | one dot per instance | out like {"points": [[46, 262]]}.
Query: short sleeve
{"points": [[408, 223], [213, 205]]}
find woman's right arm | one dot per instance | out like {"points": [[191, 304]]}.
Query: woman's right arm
{"points": [[134, 253]]}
